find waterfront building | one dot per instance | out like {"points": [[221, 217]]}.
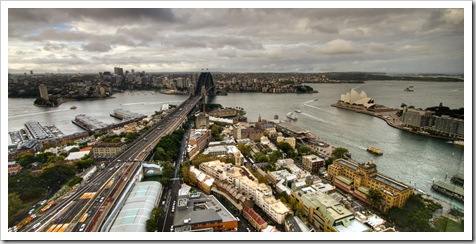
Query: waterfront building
{"points": [[417, 117], [125, 114], [359, 178], [354, 98], [108, 149], [225, 112], [88, 123], [451, 126], [200, 212], [43, 92], [312, 163], [36, 130], [199, 139], [327, 214]]}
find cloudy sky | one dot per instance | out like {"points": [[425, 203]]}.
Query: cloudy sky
{"points": [[242, 40]]}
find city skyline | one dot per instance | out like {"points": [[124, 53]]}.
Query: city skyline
{"points": [[236, 40]]}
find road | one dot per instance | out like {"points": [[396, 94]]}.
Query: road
{"points": [[166, 221], [86, 208]]}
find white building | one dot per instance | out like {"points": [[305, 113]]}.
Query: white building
{"points": [[244, 181]]}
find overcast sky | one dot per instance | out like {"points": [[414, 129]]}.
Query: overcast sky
{"points": [[242, 40]]}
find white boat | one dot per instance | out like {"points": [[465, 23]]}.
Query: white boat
{"points": [[291, 115], [459, 143]]}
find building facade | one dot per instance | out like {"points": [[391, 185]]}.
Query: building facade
{"points": [[43, 91], [199, 139], [359, 178], [248, 185], [312, 163], [108, 149]]}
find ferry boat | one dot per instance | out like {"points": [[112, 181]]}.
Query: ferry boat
{"points": [[297, 111], [459, 143], [291, 116], [375, 151], [73, 107]]}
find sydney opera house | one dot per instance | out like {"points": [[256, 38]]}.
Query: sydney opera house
{"points": [[354, 98]]}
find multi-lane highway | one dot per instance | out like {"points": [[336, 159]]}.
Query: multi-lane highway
{"points": [[86, 208]]}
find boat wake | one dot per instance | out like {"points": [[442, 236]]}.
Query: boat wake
{"points": [[309, 101], [314, 117], [47, 112]]}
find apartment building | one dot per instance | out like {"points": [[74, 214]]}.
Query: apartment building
{"points": [[248, 185], [108, 149], [358, 178]]}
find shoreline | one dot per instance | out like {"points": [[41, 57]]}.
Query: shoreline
{"points": [[389, 116]]}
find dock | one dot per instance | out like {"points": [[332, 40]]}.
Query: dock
{"points": [[126, 115], [449, 190], [87, 123], [458, 179]]}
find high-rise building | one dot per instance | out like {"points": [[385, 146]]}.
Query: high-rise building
{"points": [[43, 91], [118, 71]]}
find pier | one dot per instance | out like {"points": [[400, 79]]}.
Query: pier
{"points": [[458, 179], [87, 123], [449, 190], [126, 115]]}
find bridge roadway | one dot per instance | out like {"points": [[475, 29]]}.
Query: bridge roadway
{"points": [[86, 208]]}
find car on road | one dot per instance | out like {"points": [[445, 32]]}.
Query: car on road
{"points": [[81, 228], [36, 225], [163, 203]]}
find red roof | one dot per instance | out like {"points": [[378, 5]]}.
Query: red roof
{"points": [[254, 216]]}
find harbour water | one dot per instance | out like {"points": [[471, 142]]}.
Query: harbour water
{"points": [[412, 159]]}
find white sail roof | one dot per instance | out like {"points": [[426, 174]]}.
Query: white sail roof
{"points": [[353, 97]]}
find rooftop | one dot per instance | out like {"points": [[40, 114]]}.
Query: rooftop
{"points": [[202, 210], [137, 208], [292, 128]]}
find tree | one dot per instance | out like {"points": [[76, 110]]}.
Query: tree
{"points": [[14, 204], [305, 150], [151, 225], [26, 159], [245, 149], [340, 152], [375, 197]]}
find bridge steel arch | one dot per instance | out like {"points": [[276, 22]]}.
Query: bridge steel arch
{"points": [[206, 79]]}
